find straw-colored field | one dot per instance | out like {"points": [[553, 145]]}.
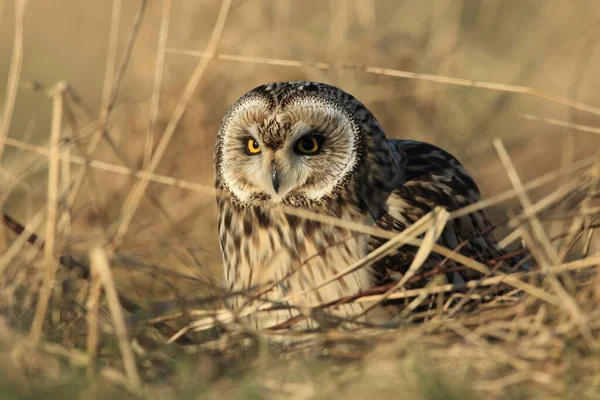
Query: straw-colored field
{"points": [[156, 77]]}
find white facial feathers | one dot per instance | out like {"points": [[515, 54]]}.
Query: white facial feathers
{"points": [[280, 172]]}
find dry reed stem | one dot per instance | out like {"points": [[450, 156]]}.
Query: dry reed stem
{"points": [[399, 239], [76, 358], [543, 239], [215, 317], [99, 263], [17, 181], [542, 204], [582, 215], [93, 332], [111, 86], [561, 123], [111, 62], [64, 222], [163, 35], [551, 256], [114, 90], [450, 254], [533, 184], [508, 239], [435, 229], [118, 169], [14, 73], [418, 300], [16, 246], [51, 214], [553, 198], [135, 196], [107, 88], [501, 87]]}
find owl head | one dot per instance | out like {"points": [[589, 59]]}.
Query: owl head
{"points": [[300, 143]]}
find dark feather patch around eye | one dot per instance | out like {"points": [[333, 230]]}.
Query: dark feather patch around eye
{"points": [[309, 145]]}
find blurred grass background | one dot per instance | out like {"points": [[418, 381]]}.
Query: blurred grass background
{"points": [[551, 47]]}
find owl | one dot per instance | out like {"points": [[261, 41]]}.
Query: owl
{"points": [[312, 146]]}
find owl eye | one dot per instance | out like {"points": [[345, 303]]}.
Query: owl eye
{"points": [[253, 146], [309, 145]]}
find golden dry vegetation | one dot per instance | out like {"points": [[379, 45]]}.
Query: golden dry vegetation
{"points": [[158, 76]]}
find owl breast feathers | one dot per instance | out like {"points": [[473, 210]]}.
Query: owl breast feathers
{"points": [[306, 145]]}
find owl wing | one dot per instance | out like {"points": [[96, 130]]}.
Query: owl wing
{"points": [[433, 177]]}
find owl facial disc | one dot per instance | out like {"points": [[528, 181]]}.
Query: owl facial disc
{"points": [[295, 152]]}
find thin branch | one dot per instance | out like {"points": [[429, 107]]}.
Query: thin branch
{"points": [[93, 331], [135, 196], [101, 267], [133, 34], [501, 87], [51, 218], [14, 73], [26, 234], [561, 123], [158, 74]]}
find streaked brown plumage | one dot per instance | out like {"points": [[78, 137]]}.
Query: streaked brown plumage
{"points": [[355, 174]]}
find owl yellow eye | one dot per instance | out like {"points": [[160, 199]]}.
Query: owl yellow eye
{"points": [[253, 146], [309, 145]]}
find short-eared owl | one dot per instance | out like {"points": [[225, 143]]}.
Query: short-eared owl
{"points": [[313, 146]]}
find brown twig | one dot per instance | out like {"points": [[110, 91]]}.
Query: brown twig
{"points": [[14, 73], [163, 34], [100, 266], [93, 331], [447, 80], [135, 196], [51, 214]]}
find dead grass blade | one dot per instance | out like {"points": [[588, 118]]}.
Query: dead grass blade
{"points": [[111, 85], [93, 333], [113, 91], [501, 87], [561, 123], [23, 238], [436, 227], [543, 239], [513, 279], [135, 196], [51, 208], [535, 183], [583, 211], [551, 256], [394, 243], [99, 262], [14, 73], [163, 35]]}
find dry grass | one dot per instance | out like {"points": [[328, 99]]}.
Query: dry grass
{"points": [[507, 86]]}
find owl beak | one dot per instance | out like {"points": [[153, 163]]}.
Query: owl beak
{"points": [[275, 179]]}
